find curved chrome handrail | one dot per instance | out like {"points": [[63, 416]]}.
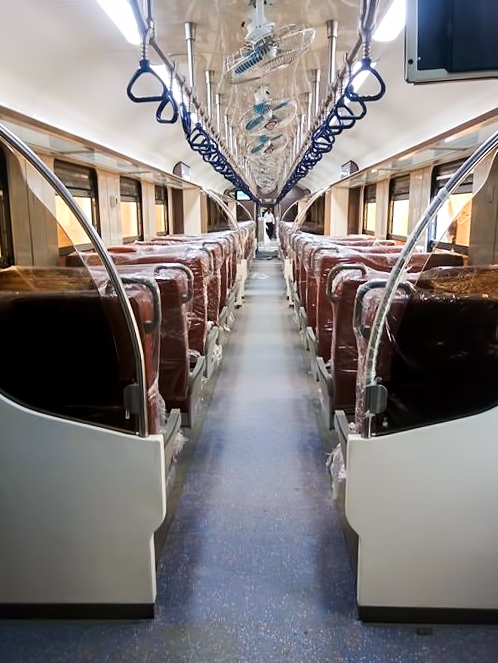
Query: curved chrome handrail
{"points": [[369, 377], [18, 145]]}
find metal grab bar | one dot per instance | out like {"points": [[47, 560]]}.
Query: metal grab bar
{"points": [[138, 389], [137, 279], [369, 375], [359, 328], [183, 268], [358, 267]]}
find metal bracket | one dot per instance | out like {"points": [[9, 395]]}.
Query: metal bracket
{"points": [[375, 398]]}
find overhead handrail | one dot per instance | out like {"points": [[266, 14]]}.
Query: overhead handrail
{"points": [[201, 136], [137, 397], [348, 107]]}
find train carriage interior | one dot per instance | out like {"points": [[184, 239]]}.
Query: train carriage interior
{"points": [[249, 331]]}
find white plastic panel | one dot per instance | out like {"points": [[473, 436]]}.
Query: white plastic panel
{"points": [[423, 503], [78, 510]]}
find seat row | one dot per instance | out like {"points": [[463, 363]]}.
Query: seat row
{"points": [[70, 351], [324, 275]]}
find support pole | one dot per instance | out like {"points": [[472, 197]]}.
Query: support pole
{"points": [[190, 30], [332, 30], [209, 91]]}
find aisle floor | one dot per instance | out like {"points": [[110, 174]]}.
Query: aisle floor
{"points": [[255, 568]]}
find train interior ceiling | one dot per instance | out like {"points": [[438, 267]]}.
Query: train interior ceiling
{"points": [[248, 304]]}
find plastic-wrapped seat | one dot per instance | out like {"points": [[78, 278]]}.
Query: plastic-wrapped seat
{"points": [[197, 259], [70, 352], [380, 258], [439, 361]]}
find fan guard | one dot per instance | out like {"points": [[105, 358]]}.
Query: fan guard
{"points": [[277, 50], [267, 145], [268, 116]]}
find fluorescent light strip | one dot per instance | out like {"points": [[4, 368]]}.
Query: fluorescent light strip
{"points": [[392, 23], [121, 13]]}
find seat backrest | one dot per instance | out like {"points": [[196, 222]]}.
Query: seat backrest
{"points": [[439, 360]]}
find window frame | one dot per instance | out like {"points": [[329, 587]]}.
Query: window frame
{"points": [[368, 199], [80, 192], [164, 202], [465, 187], [137, 198], [402, 194], [6, 242]]}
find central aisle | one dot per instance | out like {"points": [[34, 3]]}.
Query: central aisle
{"points": [[251, 571], [254, 569]]}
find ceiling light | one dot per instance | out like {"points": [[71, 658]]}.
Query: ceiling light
{"points": [[121, 13], [392, 23]]}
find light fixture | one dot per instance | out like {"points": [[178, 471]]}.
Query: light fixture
{"points": [[392, 23], [121, 13]]}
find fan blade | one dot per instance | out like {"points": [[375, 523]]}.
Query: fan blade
{"points": [[283, 104], [255, 122]]}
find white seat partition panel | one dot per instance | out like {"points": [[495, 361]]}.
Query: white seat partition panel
{"points": [[424, 505], [79, 506]]}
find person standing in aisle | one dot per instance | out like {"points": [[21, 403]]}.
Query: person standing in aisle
{"points": [[270, 223]]}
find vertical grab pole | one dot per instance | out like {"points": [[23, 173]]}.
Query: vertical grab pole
{"points": [[332, 30], [190, 32]]}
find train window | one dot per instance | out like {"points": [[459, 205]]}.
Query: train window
{"points": [[399, 201], [131, 209], [82, 184], [451, 228], [369, 209], [161, 211], [6, 252], [217, 217], [314, 221]]}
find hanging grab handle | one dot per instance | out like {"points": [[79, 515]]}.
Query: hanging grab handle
{"points": [[366, 66], [168, 103], [144, 69]]}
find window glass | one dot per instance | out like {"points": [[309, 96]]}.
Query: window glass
{"points": [[451, 227], [399, 203], [68, 225], [131, 209], [82, 184], [5, 227], [314, 221], [369, 208], [161, 211]]}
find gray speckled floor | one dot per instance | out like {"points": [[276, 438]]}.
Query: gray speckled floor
{"points": [[254, 569]]}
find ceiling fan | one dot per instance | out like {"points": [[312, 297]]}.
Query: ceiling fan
{"points": [[267, 114], [266, 47]]}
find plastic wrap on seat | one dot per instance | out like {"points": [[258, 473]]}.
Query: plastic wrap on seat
{"points": [[45, 278], [197, 260], [47, 329], [380, 258], [344, 352], [439, 357], [174, 290]]}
